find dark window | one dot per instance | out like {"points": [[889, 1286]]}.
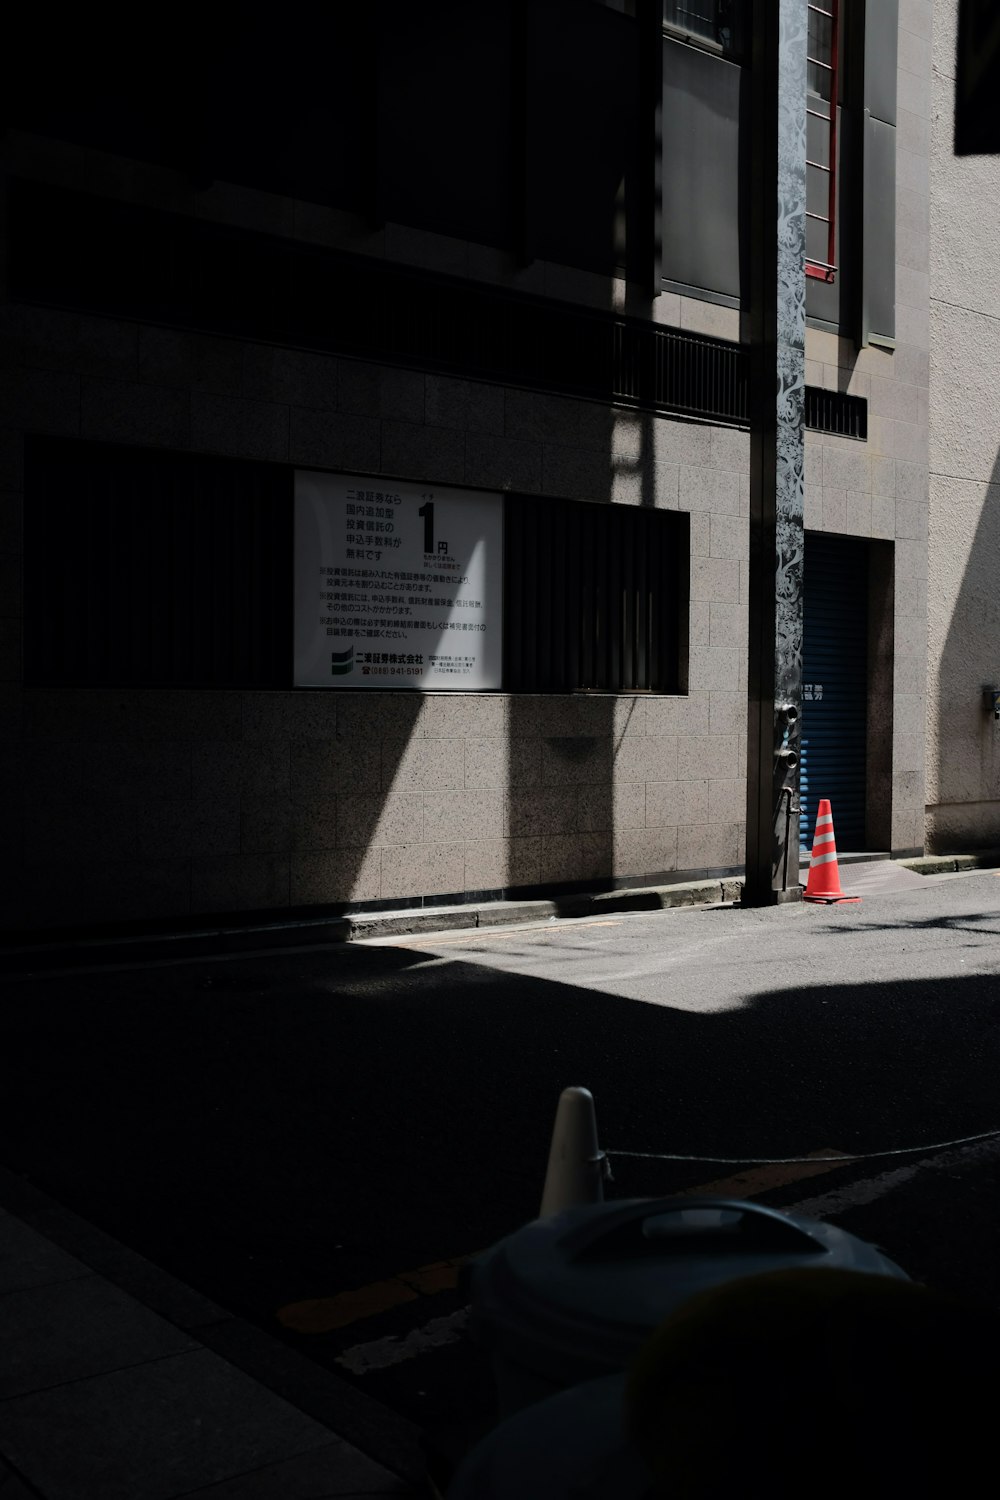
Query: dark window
{"points": [[155, 569], [595, 598], [719, 22], [823, 94]]}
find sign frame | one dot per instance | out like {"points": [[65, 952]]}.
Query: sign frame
{"points": [[397, 585]]}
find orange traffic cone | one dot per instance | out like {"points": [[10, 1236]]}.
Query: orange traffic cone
{"points": [[824, 876]]}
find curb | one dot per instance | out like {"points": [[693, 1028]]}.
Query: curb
{"points": [[330, 931], [509, 913], [948, 864], [182, 947]]}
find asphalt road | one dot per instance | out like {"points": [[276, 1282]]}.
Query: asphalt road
{"points": [[317, 1138]]}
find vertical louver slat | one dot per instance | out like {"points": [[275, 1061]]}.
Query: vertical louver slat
{"points": [[613, 593], [574, 605], [588, 603], [836, 411], [165, 580], [592, 597], [644, 539]]}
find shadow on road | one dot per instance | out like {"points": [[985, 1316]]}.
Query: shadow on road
{"points": [[278, 1128]]}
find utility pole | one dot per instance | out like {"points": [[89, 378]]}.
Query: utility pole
{"points": [[777, 400]]}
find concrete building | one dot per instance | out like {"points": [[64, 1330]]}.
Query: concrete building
{"points": [[963, 736], [497, 259]]}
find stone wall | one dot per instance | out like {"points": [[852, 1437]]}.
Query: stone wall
{"points": [[152, 804], [158, 804]]}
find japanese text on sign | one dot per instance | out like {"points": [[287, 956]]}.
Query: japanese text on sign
{"points": [[396, 585]]}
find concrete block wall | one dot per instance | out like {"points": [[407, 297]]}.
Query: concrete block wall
{"points": [[149, 804], [963, 740]]}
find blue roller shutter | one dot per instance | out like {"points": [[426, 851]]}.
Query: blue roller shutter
{"points": [[835, 687]]}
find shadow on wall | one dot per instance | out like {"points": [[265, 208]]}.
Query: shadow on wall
{"points": [[963, 737], [584, 767], [146, 803], [579, 763]]}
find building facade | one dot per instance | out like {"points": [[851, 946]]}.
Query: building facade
{"points": [[497, 260], [963, 734]]}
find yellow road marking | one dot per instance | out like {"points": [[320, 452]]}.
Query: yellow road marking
{"points": [[325, 1314], [757, 1180], [440, 1277]]}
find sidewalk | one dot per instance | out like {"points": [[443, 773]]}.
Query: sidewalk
{"points": [[118, 1382], [233, 938]]}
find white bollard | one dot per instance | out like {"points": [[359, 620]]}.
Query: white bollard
{"points": [[577, 1165]]}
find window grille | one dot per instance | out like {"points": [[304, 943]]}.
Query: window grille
{"points": [[153, 569], [595, 597], [835, 411]]}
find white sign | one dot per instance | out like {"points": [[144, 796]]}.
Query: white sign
{"points": [[396, 585]]}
